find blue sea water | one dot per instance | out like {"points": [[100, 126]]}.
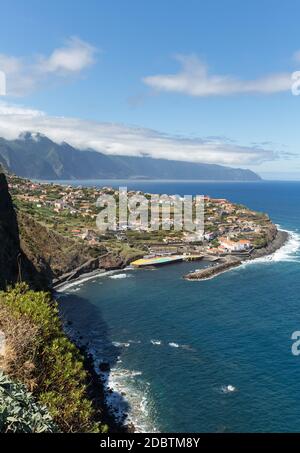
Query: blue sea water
{"points": [[175, 346]]}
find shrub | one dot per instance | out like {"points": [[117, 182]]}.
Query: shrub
{"points": [[57, 372], [21, 347], [19, 412]]}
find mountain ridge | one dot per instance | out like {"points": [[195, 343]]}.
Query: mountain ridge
{"points": [[36, 156]]}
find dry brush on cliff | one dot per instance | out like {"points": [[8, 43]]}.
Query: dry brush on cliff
{"points": [[47, 362]]}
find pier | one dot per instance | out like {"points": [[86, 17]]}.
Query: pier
{"points": [[212, 271]]}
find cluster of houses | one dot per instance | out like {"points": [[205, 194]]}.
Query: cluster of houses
{"points": [[228, 228]]}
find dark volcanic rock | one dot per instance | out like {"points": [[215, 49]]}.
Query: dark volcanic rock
{"points": [[104, 367], [14, 264], [10, 253]]}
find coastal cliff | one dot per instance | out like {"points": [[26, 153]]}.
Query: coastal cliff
{"points": [[106, 262], [58, 259], [37, 353], [51, 253], [276, 240], [9, 237], [14, 263]]}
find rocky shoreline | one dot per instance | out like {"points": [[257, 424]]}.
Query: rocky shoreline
{"points": [[277, 242], [230, 262], [106, 262]]}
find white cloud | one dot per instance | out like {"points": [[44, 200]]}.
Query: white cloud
{"points": [[195, 80], [75, 56], [120, 139], [25, 75]]}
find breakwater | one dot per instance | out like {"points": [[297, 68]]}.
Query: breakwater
{"points": [[209, 272]]}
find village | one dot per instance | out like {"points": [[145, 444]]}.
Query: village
{"points": [[72, 211]]}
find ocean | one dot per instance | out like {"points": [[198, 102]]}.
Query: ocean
{"points": [[207, 356]]}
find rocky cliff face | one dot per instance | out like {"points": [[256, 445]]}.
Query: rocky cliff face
{"points": [[57, 259], [14, 263], [51, 253], [108, 261], [10, 253]]}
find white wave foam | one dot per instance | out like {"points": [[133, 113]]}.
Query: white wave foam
{"points": [[186, 347], [118, 344], [287, 253], [127, 394], [124, 391], [91, 276], [117, 276], [75, 289], [126, 373], [228, 389], [155, 342], [173, 345]]}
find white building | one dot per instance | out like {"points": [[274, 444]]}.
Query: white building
{"points": [[234, 246]]}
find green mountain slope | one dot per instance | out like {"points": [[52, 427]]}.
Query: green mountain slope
{"points": [[36, 156]]}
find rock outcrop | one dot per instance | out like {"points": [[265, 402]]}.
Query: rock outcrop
{"points": [[14, 264], [10, 252], [108, 261]]}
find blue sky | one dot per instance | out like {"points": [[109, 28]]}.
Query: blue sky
{"points": [[188, 79]]}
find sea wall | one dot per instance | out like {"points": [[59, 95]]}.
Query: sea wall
{"points": [[212, 271]]}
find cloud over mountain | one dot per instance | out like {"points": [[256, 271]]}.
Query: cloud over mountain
{"points": [[121, 139]]}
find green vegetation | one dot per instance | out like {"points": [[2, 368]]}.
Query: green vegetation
{"points": [[260, 242], [215, 243], [128, 253], [63, 222], [48, 363], [72, 212], [19, 411]]}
